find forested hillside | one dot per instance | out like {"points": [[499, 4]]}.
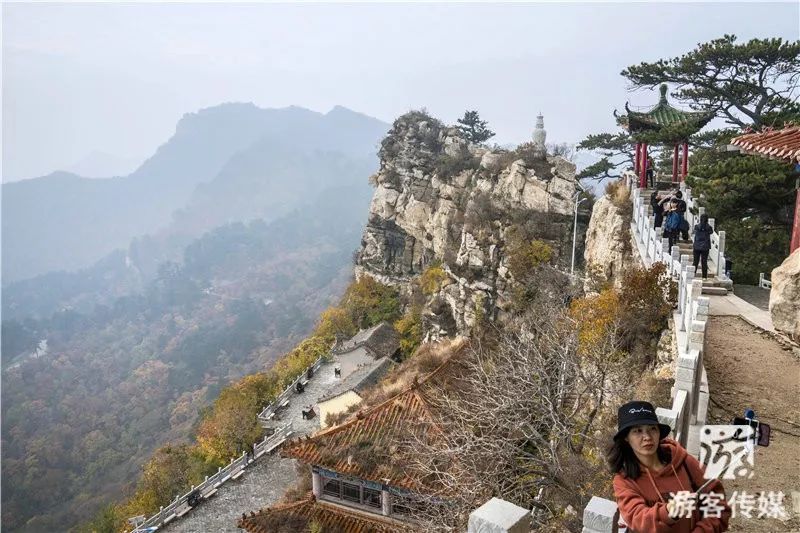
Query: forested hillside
{"points": [[111, 384]]}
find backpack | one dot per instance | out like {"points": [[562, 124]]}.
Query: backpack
{"points": [[673, 221]]}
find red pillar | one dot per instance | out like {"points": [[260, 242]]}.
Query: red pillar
{"points": [[675, 164], [636, 158], [643, 173], [796, 225], [685, 160]]}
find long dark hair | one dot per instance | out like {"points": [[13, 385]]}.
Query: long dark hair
{"points": [[703, 222], [620, 457]]}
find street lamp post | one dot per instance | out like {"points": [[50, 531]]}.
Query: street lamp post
{"points": [[575, 231]]}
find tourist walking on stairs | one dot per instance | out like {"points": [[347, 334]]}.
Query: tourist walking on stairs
{"points": [[656, 480], [702, 244]]}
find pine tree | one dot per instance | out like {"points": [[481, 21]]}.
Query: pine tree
{"points": [[473, 128]]}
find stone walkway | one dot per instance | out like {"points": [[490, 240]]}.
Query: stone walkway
{"points": [[732, 305], [753, 294], [263, 482]]}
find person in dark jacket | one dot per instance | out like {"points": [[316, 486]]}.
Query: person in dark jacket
{"points": [[672, 223], [702, 244], [658, 209], [679, 205], [682, 210]]}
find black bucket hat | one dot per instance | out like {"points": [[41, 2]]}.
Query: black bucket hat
{"points": [[638, 414]]}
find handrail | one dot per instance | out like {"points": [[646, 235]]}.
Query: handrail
{"points": [[273, 406], [222, 475], [690, 393]]}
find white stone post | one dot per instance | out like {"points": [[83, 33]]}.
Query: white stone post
{"points": [[386, 502], [499, 516], [599, 516], [721, 256], [676, 257], [316, 485]]}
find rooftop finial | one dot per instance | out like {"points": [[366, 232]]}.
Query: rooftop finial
{"points": [[663, 90]]}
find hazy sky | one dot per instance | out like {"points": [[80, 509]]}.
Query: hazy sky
{"points": [[109, 81]]}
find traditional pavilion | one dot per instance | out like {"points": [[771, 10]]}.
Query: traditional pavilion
{"points": [[663, 124], [782, 144]]}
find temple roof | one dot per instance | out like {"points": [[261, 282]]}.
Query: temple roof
{"points": [[381, 340], [663, 116], [362, 378], [297, 518], [366, 446], [363, 447], [777, 144]]}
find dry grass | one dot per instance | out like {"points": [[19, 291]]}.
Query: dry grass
{"points": [[654, 390], [619, 193]]}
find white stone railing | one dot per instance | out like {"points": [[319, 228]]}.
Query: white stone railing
{"points": [[179, 506], [282, 399], [690, 392], [653, 244], [763, 282], [689, 408]]}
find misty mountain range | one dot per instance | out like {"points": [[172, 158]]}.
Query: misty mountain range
{"points": [[222, 164], [151, 292]]}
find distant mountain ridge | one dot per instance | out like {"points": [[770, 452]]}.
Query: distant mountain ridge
{"points": [[65, 222]]}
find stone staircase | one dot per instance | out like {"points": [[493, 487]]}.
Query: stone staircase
{"points": [[714, 285]]}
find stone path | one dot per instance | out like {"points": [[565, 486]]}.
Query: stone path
{"points": [[732, 305], [748, 368], [753, 294], [264, 481]]}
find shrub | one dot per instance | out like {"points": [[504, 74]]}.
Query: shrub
{"points": [[535, 159], [481, 211], [597, 318], [432, 278], [647, 297], [369, 302], [619, 193], [409, 327], [524, 258], [448, 166]]}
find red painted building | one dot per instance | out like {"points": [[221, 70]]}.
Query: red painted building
{"points": [[783, 144]]}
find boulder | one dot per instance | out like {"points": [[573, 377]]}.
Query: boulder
{"points": [[784, 299]]}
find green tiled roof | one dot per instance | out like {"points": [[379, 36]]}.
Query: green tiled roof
{"points": [[662, 116]]}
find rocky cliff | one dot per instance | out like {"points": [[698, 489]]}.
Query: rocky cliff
{"points": [[439, 198], [609, 249]]}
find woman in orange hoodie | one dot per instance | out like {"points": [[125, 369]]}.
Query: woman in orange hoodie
{"points": [[650, 468]]}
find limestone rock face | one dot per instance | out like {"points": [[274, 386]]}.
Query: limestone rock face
{"points": [[784, 299], [608, 248], [440, 198]]}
